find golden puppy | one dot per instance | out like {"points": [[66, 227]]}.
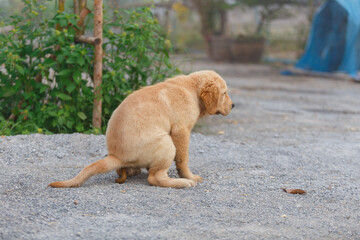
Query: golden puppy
{"points": [[151, 128]]}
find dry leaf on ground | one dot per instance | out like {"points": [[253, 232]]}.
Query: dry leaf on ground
{"points": [[294, 191]]}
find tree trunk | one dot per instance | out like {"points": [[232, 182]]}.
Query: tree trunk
{"points": [[98, 30], [202, 8], [223, 22], [211, 13], [76, 7]]}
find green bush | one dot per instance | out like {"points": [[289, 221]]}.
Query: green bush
{"points": [[136, 55], [47, 85]]}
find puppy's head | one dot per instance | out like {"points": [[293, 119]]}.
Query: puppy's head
{"points": [[213, 92]]}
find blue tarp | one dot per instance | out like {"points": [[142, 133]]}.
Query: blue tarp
{"points": [[334, 40]]}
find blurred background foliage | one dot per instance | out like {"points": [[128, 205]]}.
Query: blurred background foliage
{"points": [[285, 23]]}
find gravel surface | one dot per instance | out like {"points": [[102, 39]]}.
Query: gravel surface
{"points": [[284, 133]]}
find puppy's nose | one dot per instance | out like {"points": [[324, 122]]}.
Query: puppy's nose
{"points": [[232, 106]]}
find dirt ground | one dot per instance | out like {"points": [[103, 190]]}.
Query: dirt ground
{"points": [[284, 132], [308, 128]]}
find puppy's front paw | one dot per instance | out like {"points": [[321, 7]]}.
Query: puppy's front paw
{"points": [[195, 178], [190, 176]]}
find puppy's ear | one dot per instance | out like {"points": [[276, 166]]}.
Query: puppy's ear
{"points": [[210, 93]]}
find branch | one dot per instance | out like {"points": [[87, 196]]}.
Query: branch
{"points": [[88, 40], [84, 12]]}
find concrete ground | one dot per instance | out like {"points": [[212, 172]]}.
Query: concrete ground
{"points": [[285, 132]]}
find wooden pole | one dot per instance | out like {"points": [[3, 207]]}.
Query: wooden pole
{"points": [[98, 30]]}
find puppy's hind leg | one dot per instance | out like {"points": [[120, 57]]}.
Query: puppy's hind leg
{"points": [[126, 172], [160, 178], [163, 157], [122, 175], [102, 166]]}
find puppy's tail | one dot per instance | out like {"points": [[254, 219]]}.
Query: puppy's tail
{"points": [[104, 165]]}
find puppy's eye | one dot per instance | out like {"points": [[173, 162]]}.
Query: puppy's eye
{"points": [[225, 93]]}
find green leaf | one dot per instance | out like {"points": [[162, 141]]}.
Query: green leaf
{"points": [[69, 123], [71, 60], [81, 61], [48, 62], [71, 87], [65, 72], [81, 115], [43, 88], [63, 22], [77, 76], [79, 127], [63, 96], [53, 113], [107, 98], [54, 122], [60, 58], [73, 21], [28, 49], [106, 76], [8, 94], [61, 120], [20, 69]]}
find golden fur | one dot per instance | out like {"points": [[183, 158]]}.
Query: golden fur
{"points": [[151, 128]]}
